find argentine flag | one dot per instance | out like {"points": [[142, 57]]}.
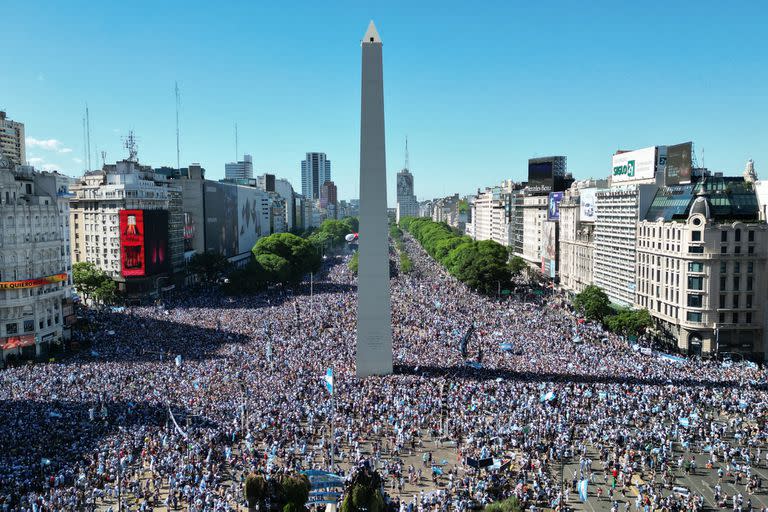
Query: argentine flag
{"points": [[582, 487], [328, 378]]}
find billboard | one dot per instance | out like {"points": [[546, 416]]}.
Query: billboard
{"points": [[549, 248], [553, 212], [132, 242], [221, 217], [156, 257], [540, 175], [143, 242], [587, 204], [32, 283], [248, 210], [634, 166], [679, 159]]}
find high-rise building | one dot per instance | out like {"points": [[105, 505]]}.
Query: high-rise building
{"points": [[328, 194], [315, 171], [35, 264], [577, 235], [242, 170], [12, 142], [374, 313], [407, 205]]}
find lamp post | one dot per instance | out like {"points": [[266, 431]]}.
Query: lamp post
{"points": [[157, 284]]}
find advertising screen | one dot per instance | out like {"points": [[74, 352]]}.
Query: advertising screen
{"points": [[156, 257], [132, 242], [248, 209], [553, 212], [540, 175], [679, 159], [634, 166], [221, 216], [587, 206], [549, 248]]}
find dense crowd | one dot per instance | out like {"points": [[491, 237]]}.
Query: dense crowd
{"points": [[129, 420]]}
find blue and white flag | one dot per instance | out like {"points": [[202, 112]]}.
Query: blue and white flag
{"points": [[582, 487], [178, 360], [329, 381]]}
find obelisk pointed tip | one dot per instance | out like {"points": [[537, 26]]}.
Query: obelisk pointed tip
{"points": [[371, 35]]}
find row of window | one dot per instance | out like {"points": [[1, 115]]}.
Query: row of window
{"points": [[12, 328]]}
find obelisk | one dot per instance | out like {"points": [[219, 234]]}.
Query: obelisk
{"points": [[374, 317]]}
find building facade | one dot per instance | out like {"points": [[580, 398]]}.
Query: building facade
{"points": [[35, 265], [12, 140], [242, 170], [407, 205], [577, 244], [534, 216], [328, 194], [315, 170], [701, 267]]}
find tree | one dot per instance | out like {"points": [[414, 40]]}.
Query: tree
{"points": [[211, 265], [354, 263], [276, 268], [93, 283], [593, 303], [629, 322], [301, 255], [507, 505], [363, 492], [406, 265], [352, 223], [517, 265], [296, 492], [256, 491]]}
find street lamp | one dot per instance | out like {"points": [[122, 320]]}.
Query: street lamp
{"points": [[157, 284]]}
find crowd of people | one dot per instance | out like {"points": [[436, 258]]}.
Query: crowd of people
{"points": [[173, 406]]}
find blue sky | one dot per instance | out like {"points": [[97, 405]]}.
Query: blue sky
{"points": [[478, 87]]}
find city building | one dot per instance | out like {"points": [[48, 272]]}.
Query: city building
{"points": [[577, 235], [239, 170], [284, 189], [129, 222], [35, 264], [12, 141], [328, 193], [407, 205], [534, 210], [446, 209], [315, 170], [701, 267]]}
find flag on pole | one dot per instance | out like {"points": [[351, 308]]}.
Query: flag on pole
{"points": [[329, 381]]}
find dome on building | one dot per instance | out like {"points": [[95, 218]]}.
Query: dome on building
{"points": [[701, 206]]}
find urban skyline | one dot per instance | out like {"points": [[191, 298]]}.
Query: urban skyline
{"points": [[492, 118]]}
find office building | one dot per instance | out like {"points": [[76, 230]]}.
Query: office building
{"points": [[35, 265], [315, 170], [701, 267], [328, 194], [407, 205], [534, 210], [577, 235], [12, 141], [242, 170]]}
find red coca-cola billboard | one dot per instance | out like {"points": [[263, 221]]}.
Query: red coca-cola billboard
{"points": [[143, 242]]}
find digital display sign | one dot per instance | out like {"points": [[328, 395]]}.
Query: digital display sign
{"points": [[679, 163], [143, 242], [540, 176]]}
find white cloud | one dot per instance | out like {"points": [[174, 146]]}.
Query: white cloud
{"points": [[77, 160], [49, 144], [51, 167], [65, 150], [35, 160]]}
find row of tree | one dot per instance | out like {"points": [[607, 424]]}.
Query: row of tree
{"points": [[481, 265], [406, 265], [93, 284], [285, 493], [594, 304]]}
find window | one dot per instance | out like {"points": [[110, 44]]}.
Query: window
{"points": [[750, 267], [696, 249], [723, 267], [722, 283], [735, 318], [11, 328], [721, 318], [750, 236], [736, 301], [723, 249], [736, 283], [694, 300], [737, 235], [749, 284], [724, 236], [29, 325], [736, 267], [737, 249], [696, 236], [751, 249], [695, 283], [695, 266], [749, 301], [722, 301], [693, 316], [748, 315]]}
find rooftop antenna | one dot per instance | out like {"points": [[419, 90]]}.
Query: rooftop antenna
{"points": [[236, 152], [178, 103], [131, 146], [88, 128], [103, 159], [407, 166], [702, 158], [85, 144]]}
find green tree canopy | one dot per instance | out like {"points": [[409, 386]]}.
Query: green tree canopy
{"points": [[593, 303], [93, 283], [352, 224], [629, 322], [517, 265], [301, 256], [211, 265]]}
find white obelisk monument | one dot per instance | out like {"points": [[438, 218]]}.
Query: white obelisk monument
{"points": [[374, 317]]}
